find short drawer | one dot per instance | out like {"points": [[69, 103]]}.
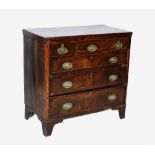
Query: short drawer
{"points": [[91, 47], [87, 62], [62, 48], [74, 82], [86, 102]]}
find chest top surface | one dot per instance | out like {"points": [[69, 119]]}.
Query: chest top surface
{"points": [[74, 31]]}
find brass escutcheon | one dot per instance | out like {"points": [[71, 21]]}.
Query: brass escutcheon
{"points": [[91, 75]]}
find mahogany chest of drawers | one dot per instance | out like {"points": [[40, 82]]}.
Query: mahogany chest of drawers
{"points": [[73, 71]]}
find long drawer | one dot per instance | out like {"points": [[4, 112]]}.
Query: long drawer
{"points": [[86, 102], [92, 79], [86, 62]]}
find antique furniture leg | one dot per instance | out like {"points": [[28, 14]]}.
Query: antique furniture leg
{"points": [[28, 112], [121, 111], [47, 128]]}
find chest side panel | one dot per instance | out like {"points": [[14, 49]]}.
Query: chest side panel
{"points": [[34, 75]]}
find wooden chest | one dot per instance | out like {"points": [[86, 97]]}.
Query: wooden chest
{"points": [[74, 71]]}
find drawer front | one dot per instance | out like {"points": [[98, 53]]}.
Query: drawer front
{"points": [[62, 48], [86, 62], [86, 102], [102, 43], [91, 47], [118, 44], [86, 80]]}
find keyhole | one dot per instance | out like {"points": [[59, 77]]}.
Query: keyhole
{"points": [[91, 57], [90, 93], [91, 75]]}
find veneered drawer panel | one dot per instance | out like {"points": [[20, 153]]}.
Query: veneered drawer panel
{"points": [[62, 48], [86, 62], [91, 47], [118, 44], [74, 82], [86, 102]]}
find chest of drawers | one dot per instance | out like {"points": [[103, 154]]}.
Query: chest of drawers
{"points": [[74, 71]]}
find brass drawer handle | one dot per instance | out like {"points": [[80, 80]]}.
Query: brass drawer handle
{"points": [[112, 97], [67, 84], [67, 106], [62, 50], [118, 45], [67, 65], [113, 60], [113, 77], [91, 48]]}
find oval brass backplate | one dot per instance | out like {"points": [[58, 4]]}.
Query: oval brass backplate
{"points": [[67, 106], [67, 84], [113, 60], [67, 65], [112, 97], [113, 77], [91, 48]]}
